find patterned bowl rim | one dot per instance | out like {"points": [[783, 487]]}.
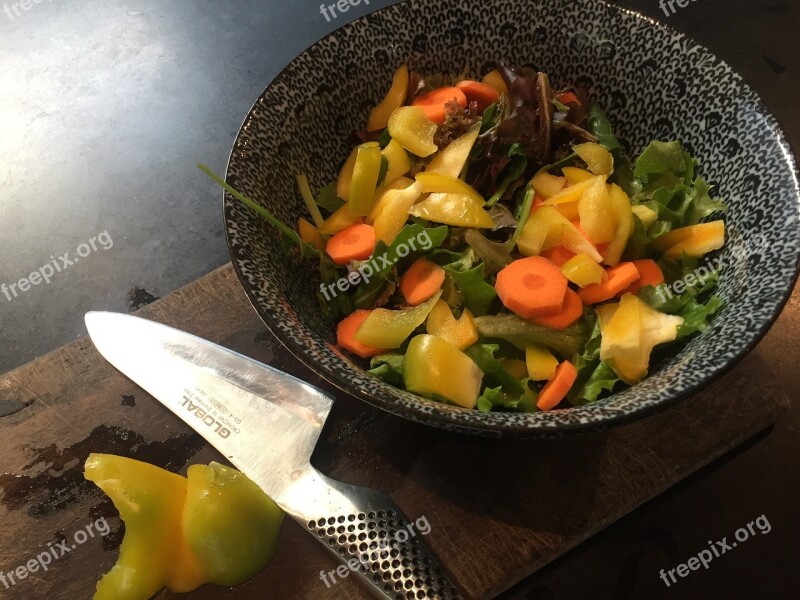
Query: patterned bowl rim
{"points": [[453, 420]]}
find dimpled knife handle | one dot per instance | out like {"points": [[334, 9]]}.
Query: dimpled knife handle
{"points": [[385, 548]]}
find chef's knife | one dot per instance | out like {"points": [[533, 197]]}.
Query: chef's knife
{"points": [[267, 423]]}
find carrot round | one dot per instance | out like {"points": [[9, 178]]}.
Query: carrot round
{"points": [[650, 274], [532, 287], [435, 102], [619, 278], [556, 389], [356, 242], [421, 281], [571, 311], [480, 93], [346, 335], [558, 255]]}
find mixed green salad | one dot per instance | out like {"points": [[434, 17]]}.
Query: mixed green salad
{"points": [[489, 244]]}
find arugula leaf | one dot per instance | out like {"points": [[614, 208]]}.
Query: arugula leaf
{"points": [[388, 367], [521, 333], [415, 238], [333, 305], [495, 255], [599, 126], [289, 234], [594, 377], [385, 138], [327, 198], [488, 117], [512, 171], [384, 168], [476, 293], [483, 356], [524, 214], [661, 158]]}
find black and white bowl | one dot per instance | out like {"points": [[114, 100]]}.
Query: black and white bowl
{"points": [[653, 83]]}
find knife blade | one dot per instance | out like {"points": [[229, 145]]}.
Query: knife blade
{"points": [[266, 423]]}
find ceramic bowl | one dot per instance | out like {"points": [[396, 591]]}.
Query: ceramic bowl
{"points": [[653, 83]]}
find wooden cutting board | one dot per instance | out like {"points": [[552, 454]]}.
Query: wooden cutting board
{"points": [[498, 510]]}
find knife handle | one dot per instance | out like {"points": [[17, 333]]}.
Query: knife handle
{"points": [[381, 545]]}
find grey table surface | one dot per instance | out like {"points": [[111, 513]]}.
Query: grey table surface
{"points": [[105, 107]]}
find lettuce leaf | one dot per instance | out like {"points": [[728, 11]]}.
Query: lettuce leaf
{"points": [[476, 293], [388, 367], [483, 356], [595, 377]]}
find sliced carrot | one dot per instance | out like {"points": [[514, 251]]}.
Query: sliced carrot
{"points": [[356, 242], [435, 102], [421, 281], [569, 98], [556, 389], [558, 255], [532, 287], [602, 247], [619, 278], [346, 335], [483, 95], [571, 311], [650, 274]]}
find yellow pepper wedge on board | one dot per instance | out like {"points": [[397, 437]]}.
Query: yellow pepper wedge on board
{"points": [[214, 527], [379, 116]]}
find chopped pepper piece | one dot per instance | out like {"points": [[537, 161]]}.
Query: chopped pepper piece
{"points": [[379, 116]]}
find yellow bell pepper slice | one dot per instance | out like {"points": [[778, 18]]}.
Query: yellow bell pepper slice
{"points": [[518, 369], [596, 214], [447, 184], [458, 210], [630, 330], [434, 366], [152, 554], [345, 179], [572, 193], [596, 157], [546, 185], [452, 159], [399, 163], [310, 234], [379, 116], [340, 219], [582, 270], [623, 217], [546, 228], [646, 214], [495, 80], [385, 328], [541, 363], [695, 240], [390, 213], [461, 332], [410, 126], [575, 175], [365, 179]]}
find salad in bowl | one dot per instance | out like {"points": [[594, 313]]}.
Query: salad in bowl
{"points": [[488, 244]]}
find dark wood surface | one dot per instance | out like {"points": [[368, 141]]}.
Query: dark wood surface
{"points": [[499, 510]]}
